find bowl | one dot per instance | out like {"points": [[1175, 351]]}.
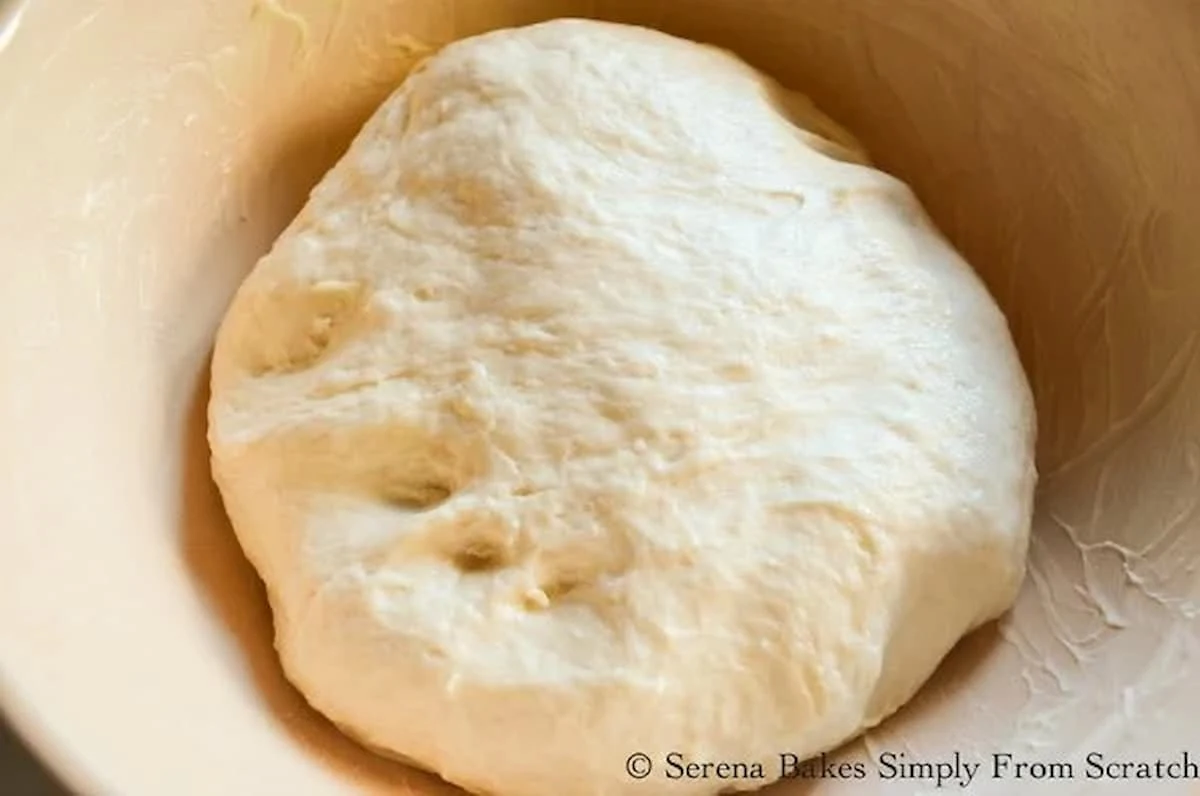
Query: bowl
{"points": [[150, 152]]}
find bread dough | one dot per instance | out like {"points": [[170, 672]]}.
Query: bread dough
{"points": [[601, 400]]}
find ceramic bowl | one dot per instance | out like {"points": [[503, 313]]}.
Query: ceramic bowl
{"points": [[150, 152]]}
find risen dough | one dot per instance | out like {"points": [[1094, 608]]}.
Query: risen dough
{"points": [[591, 406]]}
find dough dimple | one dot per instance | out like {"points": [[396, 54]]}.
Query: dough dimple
{"points": [[295, 324], [603, 399]]}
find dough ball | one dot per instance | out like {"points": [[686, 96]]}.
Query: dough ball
{"points": [[603, 400]]}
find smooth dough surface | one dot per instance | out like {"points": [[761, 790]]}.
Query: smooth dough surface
{"points": [[603, 400]]}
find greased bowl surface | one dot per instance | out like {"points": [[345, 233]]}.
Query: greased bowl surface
{"points": [[150, 152]]}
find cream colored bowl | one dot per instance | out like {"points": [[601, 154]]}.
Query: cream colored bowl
{"points": [[151, 150]]}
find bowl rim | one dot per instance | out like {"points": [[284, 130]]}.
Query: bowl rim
{"points": [[48, 747]]}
